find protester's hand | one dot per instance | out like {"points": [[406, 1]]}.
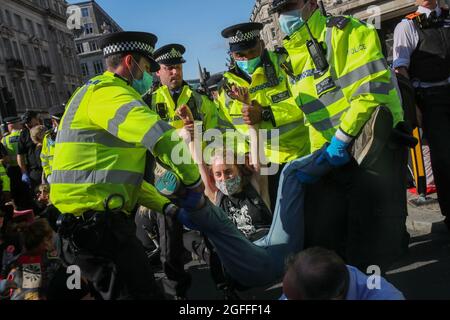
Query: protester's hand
{"points": [[26, 179], [252, 113], [185, 114], [238, 93]]}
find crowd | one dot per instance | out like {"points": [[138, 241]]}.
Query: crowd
{"points": [[104, 189]]}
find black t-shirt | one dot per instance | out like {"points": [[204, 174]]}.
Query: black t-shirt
{"points": [[27, 148], [247, 210]]}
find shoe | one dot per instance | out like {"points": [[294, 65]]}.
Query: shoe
{"points": [[373, 137]]}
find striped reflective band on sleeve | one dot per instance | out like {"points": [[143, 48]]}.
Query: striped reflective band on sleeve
{"points": [[154, 134], [121, 116], [97, 177], [92, 136]]}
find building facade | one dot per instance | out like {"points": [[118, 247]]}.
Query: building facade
{"points": [[271, 34], [95, 22], [38, 61]]}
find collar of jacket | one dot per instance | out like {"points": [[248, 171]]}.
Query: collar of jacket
{"points": [[115, 75], [317, 23]]}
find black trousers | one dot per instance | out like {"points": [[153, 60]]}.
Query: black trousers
{"points": [[361, 212], [112, 258], [20, 192], [435, 106], [177, 281]]}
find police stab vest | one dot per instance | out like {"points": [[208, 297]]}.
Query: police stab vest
{"points": [[430, 62]]}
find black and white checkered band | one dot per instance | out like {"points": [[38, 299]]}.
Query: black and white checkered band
{"points": [[173, 54], [128, 47], [243, 37]]}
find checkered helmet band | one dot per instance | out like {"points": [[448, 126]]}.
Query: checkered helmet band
{"points": [[173, 54], [244, 37], [128, 47]]}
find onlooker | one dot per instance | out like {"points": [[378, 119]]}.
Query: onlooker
{"points": [[320, 274], [28, 162]]}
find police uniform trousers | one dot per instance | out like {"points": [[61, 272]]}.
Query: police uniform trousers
{"points": [[111, 258], [21, 193], [361, 212], [435, 106]]}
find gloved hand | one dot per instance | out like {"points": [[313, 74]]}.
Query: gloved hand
{"points": [[191, 200], [184, 218], [26, 179], [336, 153], [306, 178]]}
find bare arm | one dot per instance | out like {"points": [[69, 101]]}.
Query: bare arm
{"points": [[21, 163]]}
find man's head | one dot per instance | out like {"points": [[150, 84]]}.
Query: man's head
{"points": [[429, 4], [292, 14], [130, 55], [31, 119], [13, 123], [316, 274], [246, 46], [56, 113], [170, 59]]}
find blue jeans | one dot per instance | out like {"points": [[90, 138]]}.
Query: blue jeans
{"points": [[262, 262]]}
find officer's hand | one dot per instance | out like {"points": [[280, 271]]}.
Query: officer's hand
{"points": [[252, 114], [336, 153]]}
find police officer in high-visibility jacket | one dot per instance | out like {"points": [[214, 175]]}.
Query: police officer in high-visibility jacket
{"points": [[48, 145], [11, 143], [270, 106], [175, 92], [99, 164], [342, 83]]}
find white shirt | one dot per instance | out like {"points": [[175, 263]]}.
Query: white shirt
{"points": [[406, 39]]}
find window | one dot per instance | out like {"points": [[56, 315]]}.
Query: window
{"points": [[8, 48], [41, 32], [35, 93], [85, 12], [37, 55], [30, 27], [98, 67], [26, 55], [80, 47], [18, 92], [3, 83], [46, 59], [16, 50], [93, 46], [24, 89], [54, 94], [8, 18], [88, 28], [84, 70], [274, 34], [18, 22]]}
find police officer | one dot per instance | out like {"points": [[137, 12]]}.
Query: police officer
{"points": [[422, 54], [341, 81], [175, 92], [48, 145], [270, 104], [98, 168]]}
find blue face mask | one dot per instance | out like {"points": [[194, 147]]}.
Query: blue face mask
{"points": [[249, 66], [291, 21], [143, 85]]}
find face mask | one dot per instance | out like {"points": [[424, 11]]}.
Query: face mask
{"points": [[249, 66], [144, 84], [230, 186], [291, 21]]}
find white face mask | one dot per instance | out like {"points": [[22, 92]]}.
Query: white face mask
{"points": [[230, 186]]}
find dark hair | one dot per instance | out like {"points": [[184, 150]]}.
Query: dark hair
{"points": [[29, 115], [35, 233], [319, 274], [113, 61]]}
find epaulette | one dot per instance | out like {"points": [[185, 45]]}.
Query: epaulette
{"points": [[414, 15], [338, 21]]}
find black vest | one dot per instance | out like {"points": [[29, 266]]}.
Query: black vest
{"points": [[430, 62]]}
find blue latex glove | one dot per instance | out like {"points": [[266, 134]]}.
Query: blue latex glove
{"points": [[26, 179], [336, 153], [191, 200], [306, 178], [184, 218]]}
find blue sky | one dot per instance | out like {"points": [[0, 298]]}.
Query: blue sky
{"points": [[194, 23]]}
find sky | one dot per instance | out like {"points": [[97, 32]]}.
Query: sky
{"points": [[196, 24]]}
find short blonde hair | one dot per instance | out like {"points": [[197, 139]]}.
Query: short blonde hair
{"points": [[37, 134]]}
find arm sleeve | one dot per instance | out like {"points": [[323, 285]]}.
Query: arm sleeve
{"points": [[406, 39], [210, 114], [369, 82], [21, 146], [150, 198], [6, 184], [132, 121]]}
